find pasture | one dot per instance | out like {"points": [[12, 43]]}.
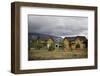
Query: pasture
{"points": [[44, 54]]}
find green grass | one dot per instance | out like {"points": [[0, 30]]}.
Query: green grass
{"points": [[44, 54]]}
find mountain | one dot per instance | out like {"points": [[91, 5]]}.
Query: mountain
{"points": [[43, 36]]}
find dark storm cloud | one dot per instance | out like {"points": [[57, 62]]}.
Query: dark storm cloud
{"points": [[58, 25]]}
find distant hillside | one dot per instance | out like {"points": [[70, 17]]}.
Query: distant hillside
{"points": [[43, 36]]}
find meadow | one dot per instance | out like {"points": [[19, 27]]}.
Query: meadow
{"points": [[44, 54]]}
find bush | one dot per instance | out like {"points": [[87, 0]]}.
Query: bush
{"points": [[78, 45]]}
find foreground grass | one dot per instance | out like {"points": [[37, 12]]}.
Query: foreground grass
{"points": [[56, 54]]}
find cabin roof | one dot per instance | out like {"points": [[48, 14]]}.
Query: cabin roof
{"points": [[74, 38]]}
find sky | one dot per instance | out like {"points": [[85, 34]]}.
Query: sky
{"points": [[61, 26]]}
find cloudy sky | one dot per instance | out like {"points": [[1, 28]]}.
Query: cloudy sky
{"points": [[58, 25]]}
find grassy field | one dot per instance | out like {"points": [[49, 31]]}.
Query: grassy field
{"points": [[56, 54]]}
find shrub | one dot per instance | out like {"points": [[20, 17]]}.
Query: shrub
{"points": [[78, 45]]}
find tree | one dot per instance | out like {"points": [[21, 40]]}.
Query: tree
{"points": [[51, 44], [51, 48]]}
